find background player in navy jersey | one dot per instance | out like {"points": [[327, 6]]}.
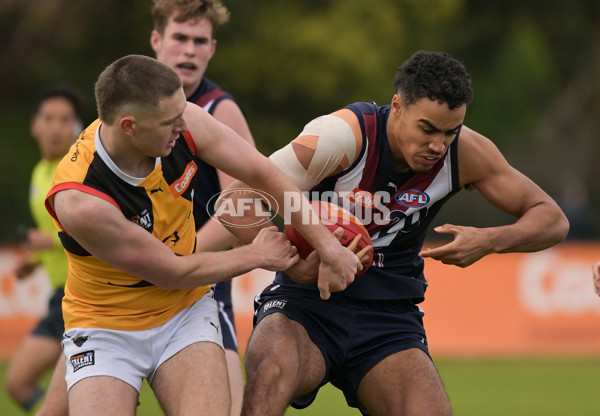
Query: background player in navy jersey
{"points": [[183, 38], [409, 157]]}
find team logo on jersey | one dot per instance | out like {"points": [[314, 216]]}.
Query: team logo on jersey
{"points": [[83, 359], [144, 219], [412, 198], [79, 341]]}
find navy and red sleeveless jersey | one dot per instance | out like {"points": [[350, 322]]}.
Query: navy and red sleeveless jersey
{"points": [[207, 96], [396, 207]]}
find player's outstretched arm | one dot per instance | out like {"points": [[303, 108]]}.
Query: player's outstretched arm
{"points": [[130, 248], [212, 236], [224, 149], [540, 223]]}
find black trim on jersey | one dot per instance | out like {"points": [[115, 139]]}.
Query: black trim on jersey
{"points": [[141, 283], [71, 245]]}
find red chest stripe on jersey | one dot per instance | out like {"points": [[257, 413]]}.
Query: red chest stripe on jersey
{"points": [[211, 95], [370, 171], [180, 185]]}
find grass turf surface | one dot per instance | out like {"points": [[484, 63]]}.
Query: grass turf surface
{"points": [[491, 387]]}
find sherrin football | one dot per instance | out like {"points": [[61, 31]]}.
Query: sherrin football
{"points": [[333, 216]]}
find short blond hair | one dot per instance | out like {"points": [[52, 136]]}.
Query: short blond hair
{"points": [[185, 10]]}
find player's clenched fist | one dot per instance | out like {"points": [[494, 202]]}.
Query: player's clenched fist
{"points": [[276, 250]]}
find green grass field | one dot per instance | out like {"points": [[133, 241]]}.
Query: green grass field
{"points": [[490, 387]]}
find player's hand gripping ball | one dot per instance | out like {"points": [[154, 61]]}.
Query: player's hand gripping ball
{"points": [[333, 216]]}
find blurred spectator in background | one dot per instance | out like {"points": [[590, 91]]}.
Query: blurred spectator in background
{"points": [[54, 125]]}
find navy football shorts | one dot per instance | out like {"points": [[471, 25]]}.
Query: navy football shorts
{"points": [[352, 334], [223, 298], [52, 325]]}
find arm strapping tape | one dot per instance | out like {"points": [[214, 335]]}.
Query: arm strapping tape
{"points": [[328, 146]]}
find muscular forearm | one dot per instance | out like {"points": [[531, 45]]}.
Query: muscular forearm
{"points": [[212, 236], [539, 228], [207, 268]]}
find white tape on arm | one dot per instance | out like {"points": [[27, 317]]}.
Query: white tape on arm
{"points": [[326, 146]]}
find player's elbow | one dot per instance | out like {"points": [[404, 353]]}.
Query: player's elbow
{"points": [[562, 227]]}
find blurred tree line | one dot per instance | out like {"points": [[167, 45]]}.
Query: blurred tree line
{"points": [[535, 69]]}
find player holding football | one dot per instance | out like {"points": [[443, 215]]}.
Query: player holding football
{"points": [[369, 340], [183, 38], [138, 299]]}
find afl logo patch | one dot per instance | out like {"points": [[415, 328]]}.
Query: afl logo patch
{"points": [[412, 198]]}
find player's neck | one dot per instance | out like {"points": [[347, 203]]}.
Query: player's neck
{"points": [[123, 154], [190, 89]]}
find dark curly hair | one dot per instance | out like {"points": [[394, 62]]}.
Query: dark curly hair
{"points": [[435, 75]]}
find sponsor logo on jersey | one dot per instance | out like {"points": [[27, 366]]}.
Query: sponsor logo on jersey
{"points": [[75, 155], [279, 304], [180, 185], [365, 198], [84, 359], [412, 198]]}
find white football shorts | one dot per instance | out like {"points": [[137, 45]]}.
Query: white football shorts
{"points": [[132, 356]]}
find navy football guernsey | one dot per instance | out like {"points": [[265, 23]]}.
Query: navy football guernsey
{"points": [[396, 207]]}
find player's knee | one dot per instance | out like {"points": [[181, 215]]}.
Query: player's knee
{"points": [[274, 361], [271, 365], [12, 384]]}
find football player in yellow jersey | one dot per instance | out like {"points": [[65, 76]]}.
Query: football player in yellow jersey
{"points": [[54, 126], [122, 202]]}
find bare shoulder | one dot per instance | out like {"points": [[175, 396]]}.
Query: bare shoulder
{"points": [[228, 108], [75, 208], [478, 157], [229, 113]]}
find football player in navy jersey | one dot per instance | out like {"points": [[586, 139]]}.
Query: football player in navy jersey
{"points": [[393, 166], [183, 38]]}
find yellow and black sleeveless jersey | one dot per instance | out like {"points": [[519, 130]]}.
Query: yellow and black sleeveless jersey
{"points": [[98, 295]]}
